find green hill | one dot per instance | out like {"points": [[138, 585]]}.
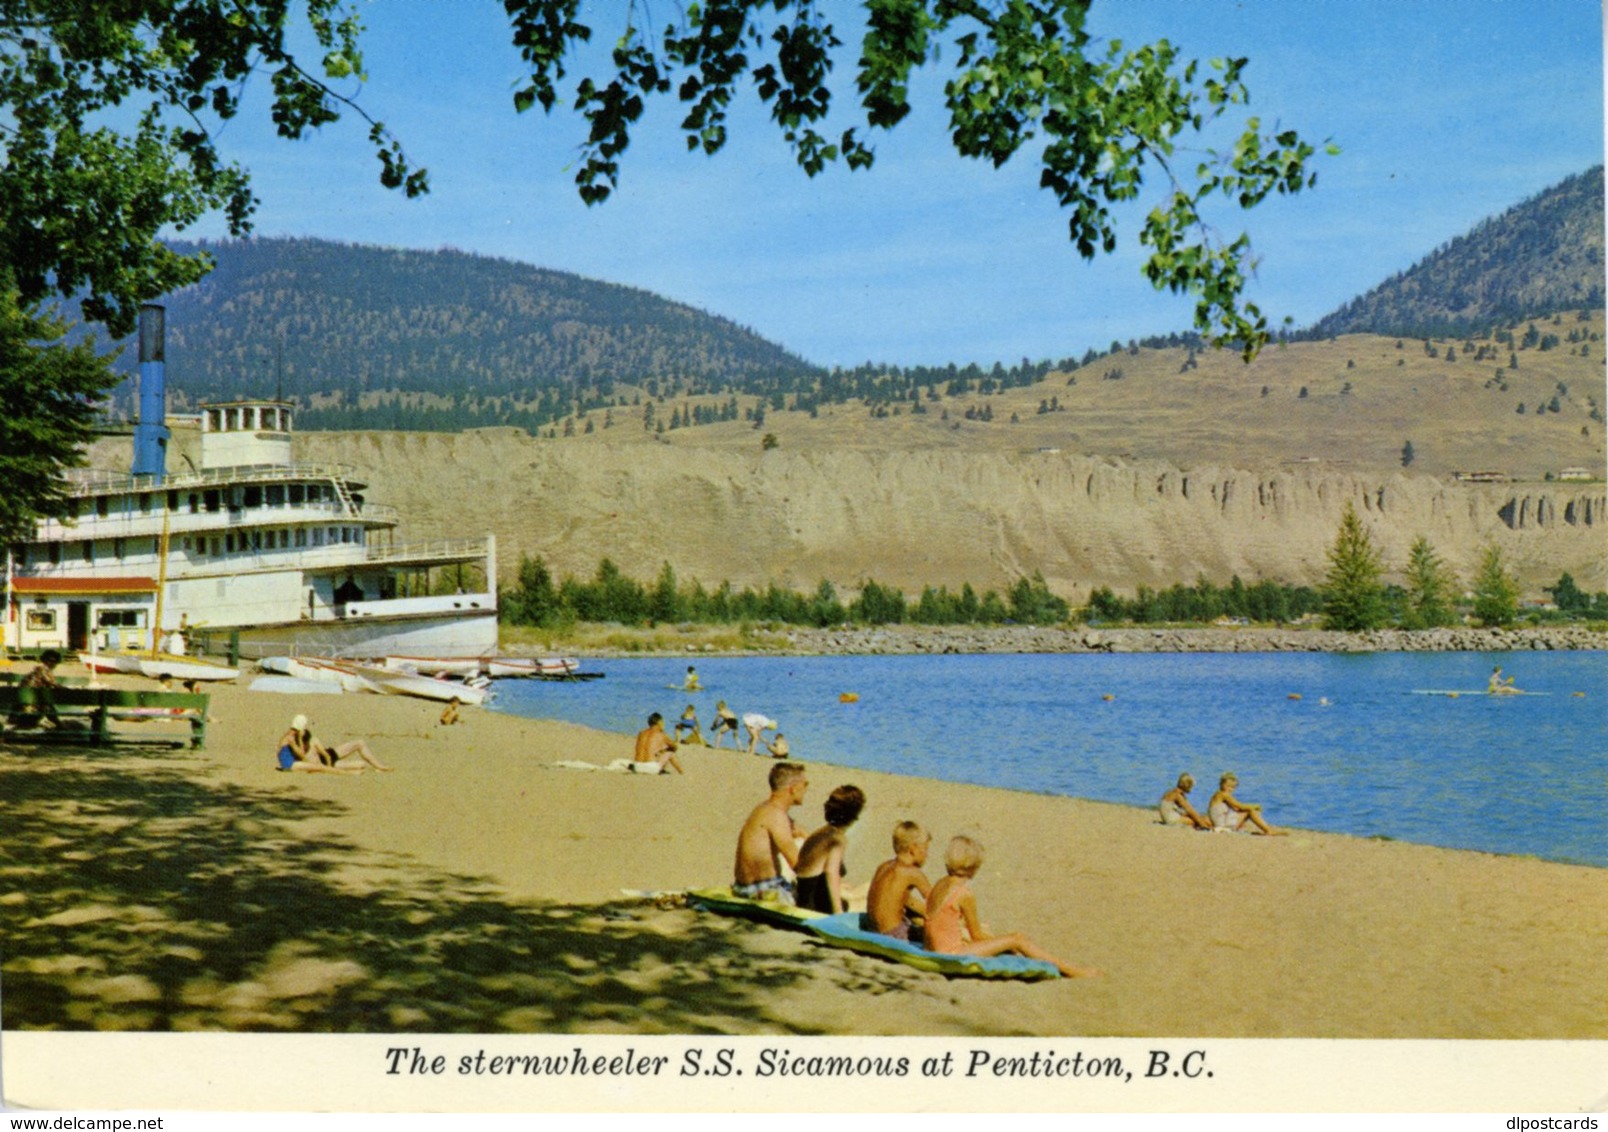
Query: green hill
{"points": [[1538, 258], [468, 339]]}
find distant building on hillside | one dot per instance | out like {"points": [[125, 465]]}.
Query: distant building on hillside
{"points": [[1576, 474], [1482, 477]]}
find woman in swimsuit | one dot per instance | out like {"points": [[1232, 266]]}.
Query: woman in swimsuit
{"points": [[820, 861], [298, 750], [951, 907]]}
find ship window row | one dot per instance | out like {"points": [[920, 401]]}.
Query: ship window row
{"points": [[197, 546], [271, 495], [248, 418], [282, 538]]}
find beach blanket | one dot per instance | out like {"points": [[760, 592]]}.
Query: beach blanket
{"points": [[843, 930], [772, 912], [618, 766]]}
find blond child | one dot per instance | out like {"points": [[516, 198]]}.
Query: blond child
{"points": [[889, 906], [952, 925], [1229, 814], [1175, 808]]}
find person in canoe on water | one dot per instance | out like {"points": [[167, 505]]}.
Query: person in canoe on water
{"points": [[1498, 686]]}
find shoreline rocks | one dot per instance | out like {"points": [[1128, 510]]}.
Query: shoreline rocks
{"points": [[938, 639]]}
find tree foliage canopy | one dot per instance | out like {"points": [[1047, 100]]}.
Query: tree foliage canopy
{"points": [[47, 413], [1024, 74], [81, 199]]}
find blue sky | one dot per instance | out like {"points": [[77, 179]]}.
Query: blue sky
{"points": [[1447, 111]]}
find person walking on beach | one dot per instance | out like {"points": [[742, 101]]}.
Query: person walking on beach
{"points": [[725, 722], [770, 837], [897, 899], [952, 925], [1229, 815], [756, 725], [1175, 808], [298, 750], [820, 861], [654, 749]]}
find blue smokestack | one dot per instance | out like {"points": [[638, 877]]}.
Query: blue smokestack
{"points": [[151, 432]]}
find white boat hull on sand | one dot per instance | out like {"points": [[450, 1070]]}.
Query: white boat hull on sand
{"points": [[175, 668], [109, 662], [325, 671], [433, 665], [294, 685], [425, 687], [160, 667]]}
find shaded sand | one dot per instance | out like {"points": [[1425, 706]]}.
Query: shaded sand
{"points": [[478, 889]]}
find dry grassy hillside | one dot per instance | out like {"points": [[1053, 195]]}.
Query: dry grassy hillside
{"points": [[1366, 397], [1154, 477]]}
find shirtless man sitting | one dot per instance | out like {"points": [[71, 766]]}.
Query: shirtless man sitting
{"points": [[769, 837], [654, 749]]}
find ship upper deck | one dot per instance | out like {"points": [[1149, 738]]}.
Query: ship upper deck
{"points": [[103, 481]]}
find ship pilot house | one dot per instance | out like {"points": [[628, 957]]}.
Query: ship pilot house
{"points": [[239, 537]]}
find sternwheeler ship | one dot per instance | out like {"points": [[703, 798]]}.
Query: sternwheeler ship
{"points": [[244, 543]]}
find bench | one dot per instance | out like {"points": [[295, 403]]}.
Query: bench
{"points": [[97, 709]]}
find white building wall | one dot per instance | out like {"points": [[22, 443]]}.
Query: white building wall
{"points": [[233, 600]]}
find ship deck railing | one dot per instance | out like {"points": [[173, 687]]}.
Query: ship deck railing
{"points": [[90, 481]]}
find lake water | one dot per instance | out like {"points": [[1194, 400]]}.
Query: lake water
{"points": [[1517, 775]]}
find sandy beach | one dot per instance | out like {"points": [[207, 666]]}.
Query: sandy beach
{"points": [[478, 888]]}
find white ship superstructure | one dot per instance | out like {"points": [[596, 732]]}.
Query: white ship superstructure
{"points": [[288, 555]]}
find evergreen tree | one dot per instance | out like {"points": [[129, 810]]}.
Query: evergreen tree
{"points": [[1353, 597], [1429, 588], [1496, 593], [536, 600], [1568, 596], [665, 603]]}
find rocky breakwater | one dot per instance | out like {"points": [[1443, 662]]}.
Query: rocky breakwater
{"points": [[901, 639]]}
